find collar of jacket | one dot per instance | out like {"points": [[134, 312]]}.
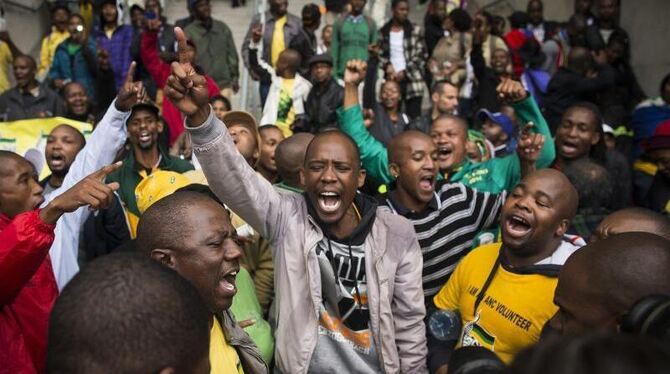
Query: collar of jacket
{"points": [[367, 207], [246, 349], [406, 26]]}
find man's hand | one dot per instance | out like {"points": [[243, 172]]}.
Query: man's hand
{"points": [[390, 72], [530, 144], [186, 88], [374, 49], [510, 91], [355, 72], [182, 147], [257, 33], [368, 118], [91, 191], [130, 92]]}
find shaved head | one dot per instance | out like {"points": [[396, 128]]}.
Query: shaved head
{"points": [[633, 220], [569, 197], [603, 280], [398, 149], [290, 156], [330, 136], [7, 160]]}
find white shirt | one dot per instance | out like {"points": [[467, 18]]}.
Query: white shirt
{"points": [[100, 150], [398, 50]]}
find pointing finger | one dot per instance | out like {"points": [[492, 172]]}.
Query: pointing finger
{"points": [[131, 72], [181, 44], [102, 173]]}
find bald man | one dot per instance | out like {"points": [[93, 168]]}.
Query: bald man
{"points": [[504, 292], [63, 145], [289, 158], [446, 216], [632, 220], [602, 282]]}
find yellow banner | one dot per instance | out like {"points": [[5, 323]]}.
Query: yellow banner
{"points": [[20, 136]]}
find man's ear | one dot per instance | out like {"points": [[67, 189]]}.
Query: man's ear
{"points": [[435, 97], [160, 126], [361, 177], [164, 256], [394, 169], [595, 139], [562, 227]]}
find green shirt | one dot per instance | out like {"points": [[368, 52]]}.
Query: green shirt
{"points": [[217, 54], [128, 176], [350, 41], [494, 175]]}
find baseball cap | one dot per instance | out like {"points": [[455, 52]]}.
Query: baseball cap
{"points": [[156, 186], [607, 129], [498, 118], [145, 105], [660, 139], [245, 119], [323, 57], [36, 158]]}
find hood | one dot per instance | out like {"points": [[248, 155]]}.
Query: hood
{"points": [[367, 207]]}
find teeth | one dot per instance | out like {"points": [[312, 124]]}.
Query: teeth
{"points": [[329, 194], [234, 273]]}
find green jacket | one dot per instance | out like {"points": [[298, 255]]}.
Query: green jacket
{"points": [[128, 176], [216, 54], [494, 175]]}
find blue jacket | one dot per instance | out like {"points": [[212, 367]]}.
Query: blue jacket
{"points": [[78, 67]]}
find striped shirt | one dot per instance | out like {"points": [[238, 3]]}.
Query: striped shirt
{"points": [[447, 227]]}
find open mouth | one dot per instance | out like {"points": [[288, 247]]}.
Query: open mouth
{"points": [[426, 183], [568, 147], [517, 226], [228, 283], [145, 137], [329, 202], [443, 152], [56, 160]]}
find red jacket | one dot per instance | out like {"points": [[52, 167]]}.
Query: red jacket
{"points": [[27, 292], [160, 71], [515, 40]]}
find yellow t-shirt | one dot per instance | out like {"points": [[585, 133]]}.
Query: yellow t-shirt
{"points": [[513, 311], [277, 40], [222, 357], [6, 59], [285, 109], [48, 50]]}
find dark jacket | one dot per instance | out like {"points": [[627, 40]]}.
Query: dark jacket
{"points": [[104, 231], [595, 41], [384, 129], [422, 123], [567, 88], [78, 67], [320, 107], [15, 105], [305, 44], [292, 28], [487, 81], [433, 32], [415, 55], [250, 357]]}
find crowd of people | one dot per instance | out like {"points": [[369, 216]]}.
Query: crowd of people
{"points": [[473, 194]]}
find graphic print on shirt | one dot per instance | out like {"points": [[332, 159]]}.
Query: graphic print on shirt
{"points": [[284, 106], [344, 316], [475, 335]]}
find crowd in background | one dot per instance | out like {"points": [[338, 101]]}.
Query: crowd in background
{"points": [[476, 193]]}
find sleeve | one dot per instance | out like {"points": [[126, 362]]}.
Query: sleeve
{"points": [[335, 48], [417, 62], [528, 111], [374, 155], [477, 61], [24, 245], [245, 45], [158, 69], [490, 208], [409, 312], [604, 80], [56, 71], [44, 58], [232, 58], [256, 64], [234, 182], [264, 275]]}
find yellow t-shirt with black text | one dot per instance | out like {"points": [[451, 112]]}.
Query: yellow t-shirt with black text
{"points": [[222, 357], [513, 310]]}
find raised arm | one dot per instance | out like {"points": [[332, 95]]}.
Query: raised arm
{"points": [[374, 156], [229, 175]]}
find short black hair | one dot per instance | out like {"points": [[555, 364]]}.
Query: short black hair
{"points": [[438, 86], [127, 313], [312, 11], [488, 16], [461, 19], [394, 3], [163, 223], [225, 100], [593, 183], [59, 6], [357, 153]]}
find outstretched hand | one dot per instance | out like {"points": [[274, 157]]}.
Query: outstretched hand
{"points": [[510, 91], [185, 87], [355, 72], [91, 191], [131, 92]]}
